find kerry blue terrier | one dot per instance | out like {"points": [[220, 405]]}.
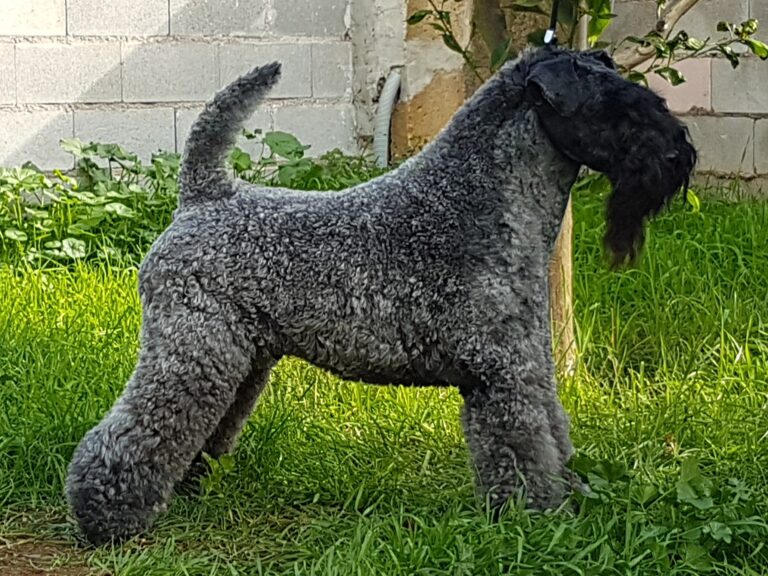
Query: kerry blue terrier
{"points": [[433, 274]]}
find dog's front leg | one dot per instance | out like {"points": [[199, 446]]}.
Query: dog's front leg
{"points": [[512, 441], [123, 472]]}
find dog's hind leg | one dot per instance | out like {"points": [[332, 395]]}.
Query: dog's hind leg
{"points": [[512, 441], [190, 366]]}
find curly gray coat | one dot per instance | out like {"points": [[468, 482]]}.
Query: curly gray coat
{"points": [[434, 274]]}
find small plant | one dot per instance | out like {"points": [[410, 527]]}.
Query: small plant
{"points": [[282, 161], [690, 520], [111, 209], [114, 206], [218, 470]]}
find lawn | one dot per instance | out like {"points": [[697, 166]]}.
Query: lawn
{"points": [[669, 408]]}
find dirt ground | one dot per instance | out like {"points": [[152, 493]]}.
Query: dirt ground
{"points": [[40, 558]]}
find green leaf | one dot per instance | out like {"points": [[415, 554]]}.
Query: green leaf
{"points": [[596, 28], [73, 248], [500, 55], [693, 200], [227, 462], [595, 182], [581, 463], [14, 234], [251, 134], [748, 28], [660, 554], [87, 198], [72, 145], [719, 531], [108, 252], [694, 44], [637, 77], [36, 213], [611, 471], [644, 493], [120, 194], [82, 228], [114, 152], [240, 160], [290, 175], [679, 38], [418, 16], [450, 41], [692, 487], [663, 49], [671, 75], [285, 145], [119, 210], [600, 18], [697, 557], [687, 494], [728, 52], [759, 49], [637, 40]]}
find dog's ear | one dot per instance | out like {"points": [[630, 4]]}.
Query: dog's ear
{"points": [[567, 80], [556, 81]]}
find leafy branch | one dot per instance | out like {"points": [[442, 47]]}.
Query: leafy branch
{"points": [[663, 52], [659, 46], [440, 19]]}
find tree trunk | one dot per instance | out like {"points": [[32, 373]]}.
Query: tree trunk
{"points": [[561, 296], [561, 274]]}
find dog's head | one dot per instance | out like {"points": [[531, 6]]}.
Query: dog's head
{"points": [[598, 119]]}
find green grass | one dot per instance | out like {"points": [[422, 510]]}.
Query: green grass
{"points": [[669, 409]]}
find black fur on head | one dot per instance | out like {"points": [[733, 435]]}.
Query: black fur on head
{"points": [[598, 119]]}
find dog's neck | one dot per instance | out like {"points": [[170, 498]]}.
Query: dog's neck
{"points": [[495, 150]]}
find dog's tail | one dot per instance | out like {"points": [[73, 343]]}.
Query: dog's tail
{"points": [[203, 173]]}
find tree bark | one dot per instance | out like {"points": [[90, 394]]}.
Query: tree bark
{"points": [[561, 273], [561, 297]]}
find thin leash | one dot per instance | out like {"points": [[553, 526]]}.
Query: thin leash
{"points": [[550, 36]]}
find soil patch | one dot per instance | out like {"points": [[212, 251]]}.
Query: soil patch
{"points": [[39, 558]]}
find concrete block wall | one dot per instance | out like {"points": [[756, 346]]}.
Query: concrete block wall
{"points": [[725, 109], [135, 72]]}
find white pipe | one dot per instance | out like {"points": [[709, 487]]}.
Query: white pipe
{"points": [[387, 102]]}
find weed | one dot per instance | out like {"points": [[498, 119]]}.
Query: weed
{"points": [[115, 206]]}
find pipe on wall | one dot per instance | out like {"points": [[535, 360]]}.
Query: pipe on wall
{"points": [[383, 123]]}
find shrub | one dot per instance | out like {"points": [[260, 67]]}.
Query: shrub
{"points": [[114, 206]]}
